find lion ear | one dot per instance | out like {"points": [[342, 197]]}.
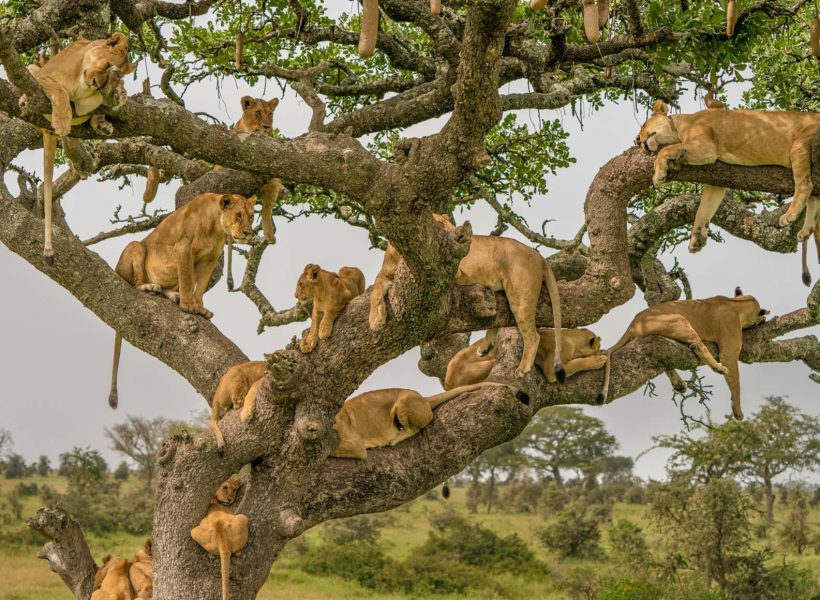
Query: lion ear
{"points": [[253, 200], [149, 546], [738, 292], [763, 312], [246, 102], [105, 559], [225, 201], [273, 103], [117, 39], [128, 68], [592, 341], [660, 107]]}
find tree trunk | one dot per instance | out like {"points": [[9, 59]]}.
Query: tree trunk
{"points": [[490, 491], [556, 475], [768, 491]]}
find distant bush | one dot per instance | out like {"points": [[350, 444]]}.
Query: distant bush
{"points": [[628, 588], [628, 544], [363, 562], [361, 528], [27, 489], [634, 495], [423, 575], [574, 531]]}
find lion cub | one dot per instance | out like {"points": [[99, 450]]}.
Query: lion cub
{"points": [[178, 257], [387, 417], [141, 572], [331, 292], [111, 580], [718, 319], [580, 351], [236, 389], [738, 137], [221, 532], [86, 73]]}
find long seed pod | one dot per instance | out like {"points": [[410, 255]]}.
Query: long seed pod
{"points": [[731, 18], [591, 30], [537, 4], [369, 28], [711, 102], [608, 72], [603, 13], [237, 55], [42, 59], [151, 185], [435, 7], [815, 37]]}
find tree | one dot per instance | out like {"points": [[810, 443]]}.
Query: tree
{"points": [[506, 459], [457, 66], [15, 466], [43, 465], [796, 532], [140, 439], [565, 438], [6, 443]]}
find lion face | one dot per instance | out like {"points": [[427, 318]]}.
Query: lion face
{"points": [[237, 216], [99, 59], [257, 115], [658, 130], [590, 347], [307, 282], [226, 492]]}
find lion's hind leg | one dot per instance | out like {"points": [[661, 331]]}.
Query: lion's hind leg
{"points": [[131, 267], [350, 448], [801, 170], [577, 365], [678, 384], [676, 327], [412, 411]]}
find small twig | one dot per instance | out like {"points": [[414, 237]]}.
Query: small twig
{"points": [[133, 227]]}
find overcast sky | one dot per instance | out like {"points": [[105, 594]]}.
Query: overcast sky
{"points": [[56, 355]]}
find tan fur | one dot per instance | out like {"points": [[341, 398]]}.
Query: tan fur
{"points": [[738, 137], [331, 293], [141, 572], [151, 185], [368, 28], [236, 389], [111, 580], [178, 257], [384, 281], [580, 351], [85, 73], [221, 532], [387, 417], [507, 265], [718, 319], [257, 116]]}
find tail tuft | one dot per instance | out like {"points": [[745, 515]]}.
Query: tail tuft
{"points": [[806, 278], [600, 399], [48, 259], [560, 373], [522, 397], [445, 491], [230, 283], [113, 399]]}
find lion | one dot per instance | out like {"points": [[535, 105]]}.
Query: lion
{"points": [[387, 417], [141, 572], [111, 580], [718, 319], [738, 137], [331, 292], [221, 532], [580, 351], [86, 73], [236, 389], [177, 258], [502, 264]]}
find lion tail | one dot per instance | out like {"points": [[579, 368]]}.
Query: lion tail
{"points": [[555, 300], [229, 262], [625, 339], [224, 557], [805, 259], [443, 397], [113, 397]]}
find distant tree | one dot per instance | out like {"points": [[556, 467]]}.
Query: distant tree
{"points": [[43, 465], [122, 472], [565, 438], [796, 532], [139, 439], [503, 460], [6, 443], [15, 466], [615, 469]]}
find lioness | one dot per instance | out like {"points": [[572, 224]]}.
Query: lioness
{"points": [[141, 572], [507, 265], [111, 580], [331, 292], [236, 389], [718, 319], [86, 73], [387, 417], [177, 258], [580, 351], [738, 137], [221, 532]]}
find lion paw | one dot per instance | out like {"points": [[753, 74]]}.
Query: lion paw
{"points": [[377, 319], [151, 288], [697, 241], [521, 370], [204, 312], [101, 126], [804, 234], [246, 415], [659, 177], [786, 219], [598, 361], [721, 369], [307, 345], [61, 126], [172, 296]]}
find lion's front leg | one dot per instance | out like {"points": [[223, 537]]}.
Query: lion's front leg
{"points": [[308, 342], [667, 154], [709, 203], [378, 310], [326, 326], [801, 170], [60, 108]]}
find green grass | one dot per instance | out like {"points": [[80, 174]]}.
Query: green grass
{"points": [[24, 577]]}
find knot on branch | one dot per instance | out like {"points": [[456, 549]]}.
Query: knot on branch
{"points": [[289, 524], [309, 429], [283, 366], [406, 149], [50, 522], [168, 451]]}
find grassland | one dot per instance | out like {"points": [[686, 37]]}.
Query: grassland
{"points": [[24, 577]]}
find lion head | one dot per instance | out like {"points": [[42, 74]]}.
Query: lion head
{"points": [[237, 216], [750, 312], [306, 284], [99, 58], [257, 115], [226, 492], [591, 345], [659, 130]]}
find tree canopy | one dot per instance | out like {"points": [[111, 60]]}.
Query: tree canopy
{"points": [[473, 66]]}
